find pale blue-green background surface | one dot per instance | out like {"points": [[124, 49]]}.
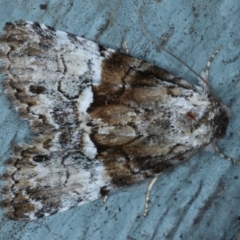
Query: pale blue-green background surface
{"points": [[199, 199]]}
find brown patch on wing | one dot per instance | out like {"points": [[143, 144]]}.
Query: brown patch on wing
{"points": [[191, 115], [127, 138]]}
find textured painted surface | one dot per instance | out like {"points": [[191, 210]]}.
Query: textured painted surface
{"points": [[199, 199]]}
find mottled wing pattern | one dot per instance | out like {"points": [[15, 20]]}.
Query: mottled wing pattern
{"points": [[103, 120]]}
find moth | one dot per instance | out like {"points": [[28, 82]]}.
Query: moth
{"points": [[102, 119]]}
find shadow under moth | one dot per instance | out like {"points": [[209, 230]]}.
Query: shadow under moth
{"points": [[103, 120]]}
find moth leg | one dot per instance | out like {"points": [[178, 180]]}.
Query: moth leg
{"points": [[125, 47], [105, 200], [104, 193], [147, 199]]}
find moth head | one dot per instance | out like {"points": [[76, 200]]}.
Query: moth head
{"points": [[221, 120]]}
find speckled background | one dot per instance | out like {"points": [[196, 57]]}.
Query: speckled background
{"points": [[199, 199]]}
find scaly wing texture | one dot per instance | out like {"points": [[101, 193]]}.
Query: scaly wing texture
{"points": [[103, 120]]}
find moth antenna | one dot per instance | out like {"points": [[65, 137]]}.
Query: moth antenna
{"points": [[208, 65], [205, 74], [181, 61], [222, 154]]}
